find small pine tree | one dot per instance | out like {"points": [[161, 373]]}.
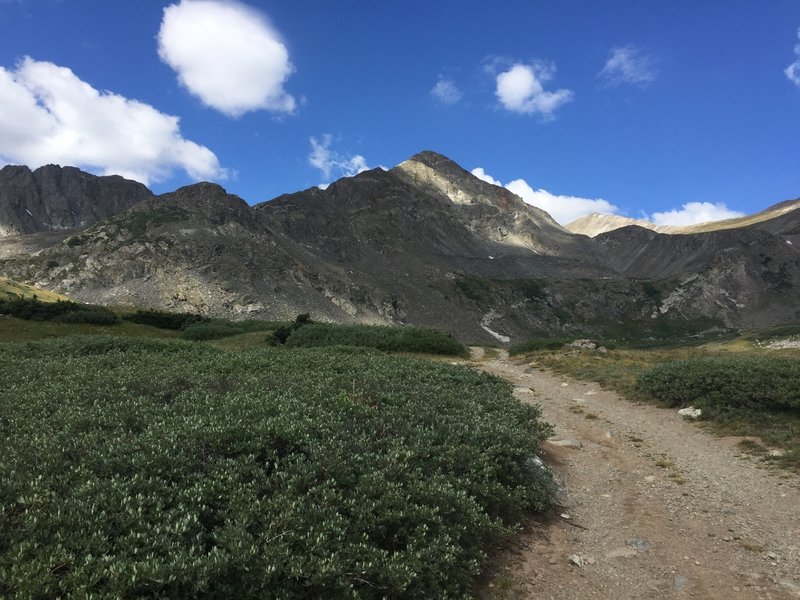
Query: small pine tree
{"points": [[302, 319]]}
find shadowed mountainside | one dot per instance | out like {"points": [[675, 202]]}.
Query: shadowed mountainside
{"points": [[54, 198]]}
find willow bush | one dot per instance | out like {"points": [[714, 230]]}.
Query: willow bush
{"points": [[148, 469]]}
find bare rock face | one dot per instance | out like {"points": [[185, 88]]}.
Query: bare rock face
{"points": [[491, 211], [58, 198]]}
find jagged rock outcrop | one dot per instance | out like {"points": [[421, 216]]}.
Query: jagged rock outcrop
{"points": [[60, 198]]}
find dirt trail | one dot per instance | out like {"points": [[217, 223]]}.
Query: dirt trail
{"points": [[656, 506]]}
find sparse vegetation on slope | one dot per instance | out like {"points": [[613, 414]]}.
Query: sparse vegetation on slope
{"points": [[12, 290], [140, 468]]}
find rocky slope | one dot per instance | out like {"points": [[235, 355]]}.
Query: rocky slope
{"points": [[428, 211], [424, 243], [747, 276], [58, 198]]}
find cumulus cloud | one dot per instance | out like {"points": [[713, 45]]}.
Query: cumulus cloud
{"points": [[695, 212], [628, 65], [332, 163], [793, 70], [49, 115], [446, 92], [564, 209], [484, 176], [520, 89], [228, 55]]}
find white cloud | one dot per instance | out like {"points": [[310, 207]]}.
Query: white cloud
{"points": [[446, 92], [520, 89], [484, 176], [793, 70], [628, 65], [564, 209], [227, 54], [49, 115], [695, 212], [333, 163]]}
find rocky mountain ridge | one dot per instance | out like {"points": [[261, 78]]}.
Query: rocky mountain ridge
{"points": [[424, 243], [54, 198], [595, 224]]}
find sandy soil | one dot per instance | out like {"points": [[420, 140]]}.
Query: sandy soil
{"points": [[653, 505]]}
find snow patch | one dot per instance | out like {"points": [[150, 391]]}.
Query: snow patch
{"points": [[487, 320], [498, 336]]}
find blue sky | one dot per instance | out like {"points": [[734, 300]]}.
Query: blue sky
{"points": [[680, 111]]}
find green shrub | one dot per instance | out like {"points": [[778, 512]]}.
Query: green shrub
{"points": [[302, 319], [721, 384], [280, 335], [141, 220], [474, 287], [164, 319], [61, 311], [91, 316], [251, 325], [380, 337], [538, 344], [139, 468], [76, 240], [216, 329]]}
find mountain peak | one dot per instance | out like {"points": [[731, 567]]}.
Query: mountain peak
{"points": [[431, 158], [206, 198], [201, 188], [437, 162]]}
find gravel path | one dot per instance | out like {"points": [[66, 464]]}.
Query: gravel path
{"points": [[654, 506]]}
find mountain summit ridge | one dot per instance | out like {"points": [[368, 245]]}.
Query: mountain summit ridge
{"points": [[424, 243], [53, 198], [597, 223]]}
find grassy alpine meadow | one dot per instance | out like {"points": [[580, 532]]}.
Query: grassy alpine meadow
{"points": [[12, 290], [13, 329], [145, 468]]}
